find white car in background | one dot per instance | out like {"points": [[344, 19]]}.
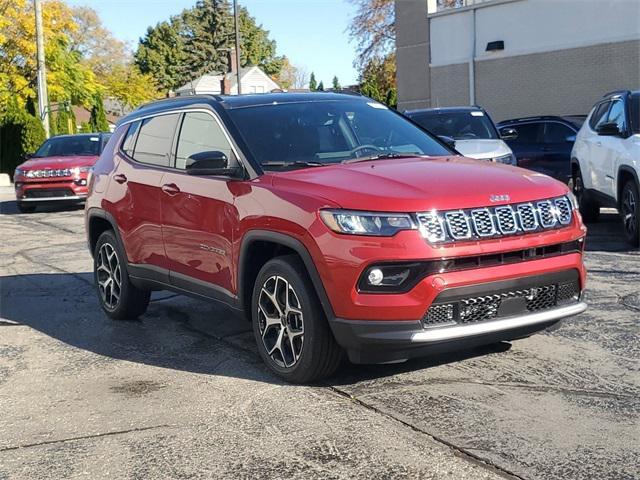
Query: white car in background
{"points": [[469, 130], [605, 161]]}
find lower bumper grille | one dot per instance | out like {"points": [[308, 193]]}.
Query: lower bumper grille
{"points": [[49, 193], [503, 304]]}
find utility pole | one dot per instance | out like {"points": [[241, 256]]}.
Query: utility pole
{"points": [[43, 100], [236, 16]]}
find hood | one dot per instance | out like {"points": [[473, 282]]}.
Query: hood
{"points": [[59, 162], [482, 149], [418, 184]]}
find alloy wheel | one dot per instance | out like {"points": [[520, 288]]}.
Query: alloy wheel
{"points": [[629, 211], [281, 321], [109, 276]]}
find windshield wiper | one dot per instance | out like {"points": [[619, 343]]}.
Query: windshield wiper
{"points": [[383, 156], [293, 165]]}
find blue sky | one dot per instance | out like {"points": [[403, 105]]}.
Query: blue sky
{"points": [[312, 33]]}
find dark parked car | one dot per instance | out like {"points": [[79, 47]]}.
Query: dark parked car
{"points": [[544, 143]]}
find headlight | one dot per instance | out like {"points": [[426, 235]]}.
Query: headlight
{"points": [[18, 173], [367, 223], [508, 159], [75, 171]]}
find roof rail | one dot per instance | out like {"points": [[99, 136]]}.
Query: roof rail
{"points": [[615, 92]]}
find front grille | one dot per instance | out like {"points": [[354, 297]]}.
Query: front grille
{"points": [[49, 172], [457, 225], [502, 304], [49, 193]]}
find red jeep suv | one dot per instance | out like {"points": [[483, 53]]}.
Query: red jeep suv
{"points": [[334, 224], [59, 171]]}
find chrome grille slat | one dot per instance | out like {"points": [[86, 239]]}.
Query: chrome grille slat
{"points": [[499, 221]]}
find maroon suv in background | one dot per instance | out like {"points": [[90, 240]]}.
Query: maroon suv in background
{"points": [[58, 172]]}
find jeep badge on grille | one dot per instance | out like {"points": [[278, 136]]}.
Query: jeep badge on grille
{"points": [[500, 198]]}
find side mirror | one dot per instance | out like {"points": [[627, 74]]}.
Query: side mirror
{"points": [[608, 129], [450, 142], [508, 133], [210, 163]]}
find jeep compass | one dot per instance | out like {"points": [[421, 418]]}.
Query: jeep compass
{"points": [[334, 225]]}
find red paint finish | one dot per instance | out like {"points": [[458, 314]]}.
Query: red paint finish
{"points": [[195, 226]]}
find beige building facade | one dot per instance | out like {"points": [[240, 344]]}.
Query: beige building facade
{"points": [[516, 58]]}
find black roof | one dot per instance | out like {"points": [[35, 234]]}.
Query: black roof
{"points": [[230, 102], [473, 108], [573, 119]]}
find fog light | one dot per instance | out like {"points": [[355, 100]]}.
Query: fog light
{"points": [[375, 277]]}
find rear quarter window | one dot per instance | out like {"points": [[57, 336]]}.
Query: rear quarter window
{"points": [[155, 139]]}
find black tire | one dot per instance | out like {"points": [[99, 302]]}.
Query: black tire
{"points": [[131, 301], [589, 208], [25, 207], [630, 212], [318, 353]]}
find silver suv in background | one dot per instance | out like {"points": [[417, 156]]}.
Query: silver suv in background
{"points": [[605, 161], [469, 130]]}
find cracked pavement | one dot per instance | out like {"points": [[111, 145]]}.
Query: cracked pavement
{"points": [[182, 393]]}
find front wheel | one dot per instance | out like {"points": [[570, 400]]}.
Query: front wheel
{"points": [[119, 298], [291, 331], [630, 212]]}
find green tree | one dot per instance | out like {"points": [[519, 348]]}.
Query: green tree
{"points": [[336, 83], [98, 119], [20, 133], [392, 98], [321, 86], [313, 83], [161, 54]]}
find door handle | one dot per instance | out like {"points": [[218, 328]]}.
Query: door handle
{"points": [[598, 143], [120, 178], [170, 189]]}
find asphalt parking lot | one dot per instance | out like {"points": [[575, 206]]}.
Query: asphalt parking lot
{"points": [[182, 393]]}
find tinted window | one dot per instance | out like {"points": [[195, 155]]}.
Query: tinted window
{"points": [[155, 139], [76, 145], [617, 116], [458, 125], [634, 112], [200, 133], [328, 132], [598, 115], [130, 140], [527, 133], [557, 132]]}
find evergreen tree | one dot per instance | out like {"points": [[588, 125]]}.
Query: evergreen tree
{"points": [[336, 83], [321, 86], [392, 98], [313, 84], [98, 120]]}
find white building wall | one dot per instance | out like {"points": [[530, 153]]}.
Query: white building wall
{"points": [[531, 26]]}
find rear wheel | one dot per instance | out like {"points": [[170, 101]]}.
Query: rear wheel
{"points": [[589, 208], [119, 298], [630, 212], [26, 208], [290, 328]]}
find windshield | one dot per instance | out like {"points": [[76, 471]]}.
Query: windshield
{"points": [[80, 145], [323, 132], [469, 125]]}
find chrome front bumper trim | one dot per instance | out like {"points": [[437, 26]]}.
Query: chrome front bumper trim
{"points": [[461, 331], [51, 199]]}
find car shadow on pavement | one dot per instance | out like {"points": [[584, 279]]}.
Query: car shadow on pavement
{"points": [[11, 208], [177, 332], [607, 234]]}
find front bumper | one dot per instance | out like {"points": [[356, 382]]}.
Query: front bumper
{"points": [[71, 190], [479, 314]]}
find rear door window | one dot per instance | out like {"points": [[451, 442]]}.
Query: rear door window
{"points": [[527, 133], [555, 132], [155, 140]]}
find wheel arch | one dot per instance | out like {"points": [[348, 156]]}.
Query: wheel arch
{"points": [[98, 222], [258, 247], [625, 173]]}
